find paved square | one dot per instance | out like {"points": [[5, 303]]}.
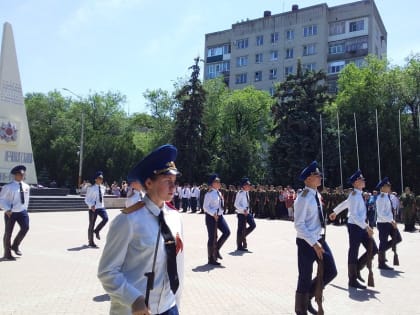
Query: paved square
{"points": [[57, 274]]}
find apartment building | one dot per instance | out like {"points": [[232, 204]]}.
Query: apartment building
{"points": [[264, 51]]}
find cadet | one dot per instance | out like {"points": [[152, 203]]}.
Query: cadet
{"points": [[213, 207], [387, 226], [144, 243], [195, 195], [95, 201], [310, 240], [244, 215], [359, 231], [14, 199]]}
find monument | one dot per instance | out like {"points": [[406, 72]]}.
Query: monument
{"points": [[15, 140]]}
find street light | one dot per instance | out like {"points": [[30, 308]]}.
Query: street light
{"points": [[79, 180]]}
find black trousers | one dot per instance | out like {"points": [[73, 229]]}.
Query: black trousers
{"points": [[193, 202], [243, 231], [22, 218], [386, 230], [92, 219]]}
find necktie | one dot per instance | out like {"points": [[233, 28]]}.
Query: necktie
{"points": [[100, 194], [321, 217], [170, 248], [247, 200], [22, 196], [221, 199]]}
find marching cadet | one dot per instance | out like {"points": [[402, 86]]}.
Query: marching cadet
{"points": [[359, 231], [244, 214], [386, 224], [213, 207], [310, 240], [94, 199], [185, 197], [14, 199], [141, 267]]}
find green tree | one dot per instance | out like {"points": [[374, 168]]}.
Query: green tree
{"points": [[190, 131], [300, 100]]}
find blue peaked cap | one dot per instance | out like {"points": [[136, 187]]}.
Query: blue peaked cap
{"points": [[212, 178], [309, 170], [18, 169], [357, 175], [383, 182], [244, 181], [160, 161], [99, 174]]}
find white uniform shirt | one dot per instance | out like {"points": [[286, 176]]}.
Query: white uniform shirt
{"points": [[195, 192], [128, 255], [384, 209], [241, 202], [10, 197], [213, 202], [306, 220], [186, 193], [357, 208], [92, 197]]}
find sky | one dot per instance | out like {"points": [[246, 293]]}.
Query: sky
{"points": [[130, 46]]}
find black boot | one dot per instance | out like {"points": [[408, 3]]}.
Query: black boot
{"points": [[360, 265], [381, 261], [212, 259], [353, 277], [301, 303]]}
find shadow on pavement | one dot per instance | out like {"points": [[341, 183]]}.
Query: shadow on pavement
{"points": [[362, 295], [78, 248], [101, 298], [391, 273], [206, 268], [8, 260], [239, 253]]}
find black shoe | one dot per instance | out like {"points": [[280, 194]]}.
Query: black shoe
{"points": [[93, 245], [355, 284], [9, 257], [219, 256], [384, 266], [97, 235], [17, 251], [214, 263], [242, 249]]}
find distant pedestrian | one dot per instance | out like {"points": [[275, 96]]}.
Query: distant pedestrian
{"points": [[96, 203], [14, 199]]}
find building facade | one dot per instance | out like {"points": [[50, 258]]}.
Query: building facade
{"points": [[264, 51]]}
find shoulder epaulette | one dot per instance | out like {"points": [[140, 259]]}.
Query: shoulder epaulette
{"points": [[304, 192], [382, 195], [137, 206], [353, 193]]}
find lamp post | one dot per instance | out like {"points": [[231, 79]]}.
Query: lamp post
{"points": [[79, 180]]}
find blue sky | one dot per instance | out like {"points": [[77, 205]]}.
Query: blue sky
{"points": [[133, 45]]}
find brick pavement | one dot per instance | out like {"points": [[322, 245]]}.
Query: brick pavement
{"points": [[57, 274]]}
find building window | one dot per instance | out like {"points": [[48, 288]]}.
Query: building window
{"points": [[241, 78], [258, 76], [272, 90], [337, 28], [332, 87], [274, 37], [242, 61], [336, 48], [309, 50], [357, 26], [215, 51], [360, 63], [335, 67], [290, 34], [274, 55], [242, 43], [226, 49], [310, 30], [356, 44], [273, 74], [216, 69], [260, 40], [309, 66], [259, 58], [288, 70], [289, 53]]}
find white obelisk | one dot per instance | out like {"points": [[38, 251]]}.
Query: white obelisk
{"points": [[15, 140]]}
